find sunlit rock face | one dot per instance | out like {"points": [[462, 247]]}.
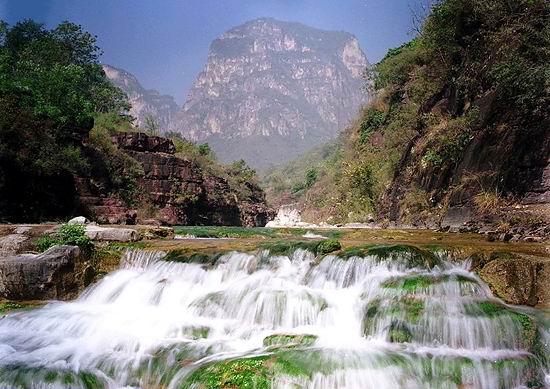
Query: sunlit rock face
{"points": [[144, 102], [271, 90]]}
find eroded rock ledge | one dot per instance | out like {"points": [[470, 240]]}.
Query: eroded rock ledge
{"points": [[179, 190]]}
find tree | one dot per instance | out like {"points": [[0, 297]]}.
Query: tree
{"points": [[51, 86], [151, 125], [204, 149], [311, 177]]}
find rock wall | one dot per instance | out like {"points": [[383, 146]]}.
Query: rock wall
{"points": [[180, 191]]}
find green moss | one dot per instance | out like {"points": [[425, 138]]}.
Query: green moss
{"points": [[407, 309], [91, 381], [288, 247], [399, 332], [246, 373], [251, 373], [328, 246], [287, 340], [411, 256], [411, 284], [183, 256]]}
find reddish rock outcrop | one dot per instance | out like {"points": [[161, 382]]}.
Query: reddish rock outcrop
{"points": [[178, 189]]}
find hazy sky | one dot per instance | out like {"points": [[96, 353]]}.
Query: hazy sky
{"points": [[165, 42]]}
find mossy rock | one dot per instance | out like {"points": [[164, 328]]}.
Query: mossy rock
{"points": [[243, 373], [411, 256], [493, 309], [408, 309], [182, 256], [289, 340], [399, 332], [323, 247], [414, 283], [512, 278], [28, 377], [328, 246]]}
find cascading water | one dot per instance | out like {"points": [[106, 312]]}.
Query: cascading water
{"points": [[276, 321]]}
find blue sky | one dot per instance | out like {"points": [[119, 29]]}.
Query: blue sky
{"points": [[165, 42]]}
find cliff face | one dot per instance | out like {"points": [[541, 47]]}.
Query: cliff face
{"points": [[179, 191], [144, 102], [271, 90]]}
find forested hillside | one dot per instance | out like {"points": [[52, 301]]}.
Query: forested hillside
{"points": [[459, 129], [67, 144]]}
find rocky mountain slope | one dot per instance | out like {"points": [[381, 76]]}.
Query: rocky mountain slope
{"points": [[271, 90], [457, 136], [144, 102]]}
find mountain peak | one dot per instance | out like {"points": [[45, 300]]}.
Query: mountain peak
{"points": [[281, 87]]}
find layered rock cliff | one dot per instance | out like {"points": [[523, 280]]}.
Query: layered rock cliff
{"points": [[177, 190], [271, 90], [144, 102]]}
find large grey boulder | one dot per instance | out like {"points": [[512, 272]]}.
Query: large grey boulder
{"points": [[50, 275], [111, 234]]}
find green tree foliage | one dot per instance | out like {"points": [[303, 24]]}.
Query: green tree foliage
{"points": [[311, 178], [151, 125], [205, 150], [51, 86]]}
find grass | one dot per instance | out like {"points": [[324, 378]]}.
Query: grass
{"points": [[9, 306]]}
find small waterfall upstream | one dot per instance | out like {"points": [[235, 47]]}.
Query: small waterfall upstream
{"points": [[364, 322]]}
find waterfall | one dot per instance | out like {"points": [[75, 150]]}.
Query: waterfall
{"points": [[363, 322]]}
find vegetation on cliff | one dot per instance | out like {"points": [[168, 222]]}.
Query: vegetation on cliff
{"points": [[51, 86], [61, 120], [460, 118]]}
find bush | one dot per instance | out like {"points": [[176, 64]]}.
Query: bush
{"points": [[68, 234], [372, 120], [204, 149], [311, 177]]}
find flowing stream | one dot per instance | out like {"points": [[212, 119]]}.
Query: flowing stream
{"points": [[246, 321]]}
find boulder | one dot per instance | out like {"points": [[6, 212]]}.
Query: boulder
{"points": [[78, 220], [516, 279], [11, 244], [50, 275], [111, 234]]}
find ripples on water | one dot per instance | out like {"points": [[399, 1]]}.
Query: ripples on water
{"points": [[377, 324]]}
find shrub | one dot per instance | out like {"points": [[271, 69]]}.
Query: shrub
{"points": [[204, 149], [68, 234], [311, 177], [488, 202], [372, 120]]}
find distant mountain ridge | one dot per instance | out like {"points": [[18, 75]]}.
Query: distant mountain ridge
{"points": [[271, 90], [145, 102]]}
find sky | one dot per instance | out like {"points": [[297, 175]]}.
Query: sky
{"points": [[164, 43]]}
